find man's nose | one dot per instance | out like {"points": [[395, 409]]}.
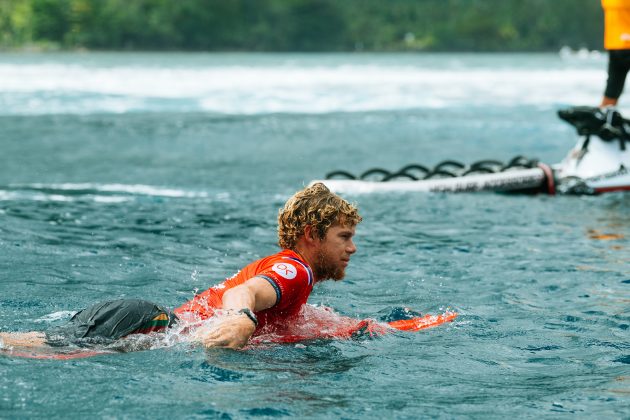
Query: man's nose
{"points": [[352, 248]]}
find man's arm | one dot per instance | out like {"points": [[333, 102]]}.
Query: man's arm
{"points": [[256, 294]]}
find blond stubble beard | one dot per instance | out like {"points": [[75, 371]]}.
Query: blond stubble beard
{"points": [[325, 270]]}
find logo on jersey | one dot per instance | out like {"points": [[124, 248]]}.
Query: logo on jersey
{"points": [[285, 270]]}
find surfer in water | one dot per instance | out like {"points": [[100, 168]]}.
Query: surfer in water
{"points": [[315, 231]]}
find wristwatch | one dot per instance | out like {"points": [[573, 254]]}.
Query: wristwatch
{"points": [[248, 312]]}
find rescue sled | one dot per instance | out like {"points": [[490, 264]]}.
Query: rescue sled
{"points": [[598, 163]]}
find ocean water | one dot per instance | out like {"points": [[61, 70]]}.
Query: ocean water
{"points": [[155, 175]]}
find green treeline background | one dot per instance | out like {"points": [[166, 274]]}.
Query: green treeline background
{"points": [[301, 25]]}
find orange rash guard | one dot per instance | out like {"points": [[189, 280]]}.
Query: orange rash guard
{"points": [[289, 275]]}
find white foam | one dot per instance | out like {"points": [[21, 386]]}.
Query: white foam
{"points": [[139, 189], [110, 199], [100, 193], [32, 196], [134, 189], [56, 316]]}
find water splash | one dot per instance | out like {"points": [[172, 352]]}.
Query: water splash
{"points": [[312, 323], [56, 316]]}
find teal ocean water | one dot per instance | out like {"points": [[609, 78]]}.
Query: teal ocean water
{"points": [[155, 175]]}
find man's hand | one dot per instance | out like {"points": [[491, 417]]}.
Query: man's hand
{"points": [[232, 332], [235, 328]]}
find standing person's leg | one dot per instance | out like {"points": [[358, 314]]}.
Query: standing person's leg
{"points": [[618, 66]]}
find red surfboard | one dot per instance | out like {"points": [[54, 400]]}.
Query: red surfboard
{"points": [[420, 323]]}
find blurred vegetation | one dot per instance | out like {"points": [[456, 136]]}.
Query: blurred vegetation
{"points": [[301, 25]]}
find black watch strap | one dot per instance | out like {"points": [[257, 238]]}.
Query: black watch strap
{"points": [[248, 312]]}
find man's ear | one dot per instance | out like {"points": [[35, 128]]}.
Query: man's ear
{"points": [[309, 233]]}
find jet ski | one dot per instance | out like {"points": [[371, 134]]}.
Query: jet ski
{"points": [[598, 163]]}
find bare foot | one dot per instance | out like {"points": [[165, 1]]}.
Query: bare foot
{"points": [[29, 339]]}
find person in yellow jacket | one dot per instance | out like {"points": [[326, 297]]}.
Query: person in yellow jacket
{"points": [[617, 42]]}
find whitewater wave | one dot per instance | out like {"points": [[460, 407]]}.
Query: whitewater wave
{"points": [[336, 85]]}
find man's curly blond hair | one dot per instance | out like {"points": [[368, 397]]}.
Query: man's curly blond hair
{"points": [[316, 206]]}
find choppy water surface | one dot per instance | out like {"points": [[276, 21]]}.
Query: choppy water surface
{"points": [[152, 176]]}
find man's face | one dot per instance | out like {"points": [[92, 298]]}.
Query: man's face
{"points": [[334, 253]]}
